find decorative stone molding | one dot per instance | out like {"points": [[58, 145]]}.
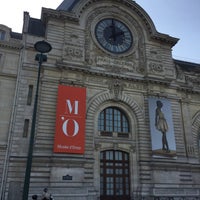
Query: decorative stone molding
{"points": [[73, 52], [11, 45], [101, 98], [50, 13], [116, 64], [179, 73], [155, 68], [192, 80], [116, 88], [132, 61], [97, 146], [154, 54]]}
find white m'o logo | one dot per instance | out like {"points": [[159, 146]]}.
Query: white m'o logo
{"points": [[76, 128], [71, 108]]}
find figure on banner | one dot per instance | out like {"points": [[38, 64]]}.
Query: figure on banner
{"points": [[161, 125]]}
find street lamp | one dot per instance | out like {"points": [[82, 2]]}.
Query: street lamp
{"points": [[41, 47]]}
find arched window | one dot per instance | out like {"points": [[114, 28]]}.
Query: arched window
{"points": [[113, 120]]}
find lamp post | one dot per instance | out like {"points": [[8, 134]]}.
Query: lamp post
{"points": [[41, 47]]}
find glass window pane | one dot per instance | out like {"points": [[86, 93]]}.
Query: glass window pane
{"points": [[118, 164], [109, 155], [125, 156], [109, 171], [118, 171], [118, 155], [113, 120]]}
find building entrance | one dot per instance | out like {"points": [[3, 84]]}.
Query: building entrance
{"points": [[114, 174]]}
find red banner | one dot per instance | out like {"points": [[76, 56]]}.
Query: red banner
{"points": [[70, 120]]}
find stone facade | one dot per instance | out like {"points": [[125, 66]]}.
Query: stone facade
{"points": [[10, 61], [125, 81]]}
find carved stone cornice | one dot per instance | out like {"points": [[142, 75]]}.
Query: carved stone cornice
{"points": [[58, 14], [188, 76], [164, 38], [11, 45], [106, 73], [128, 77]]}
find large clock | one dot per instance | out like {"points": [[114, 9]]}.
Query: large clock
{"points": [[113, 35]]}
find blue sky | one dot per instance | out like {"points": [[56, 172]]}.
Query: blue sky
{"points": [[180, 19], [177, 18]]}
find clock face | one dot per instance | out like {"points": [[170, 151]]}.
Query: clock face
{"points": [[113, 35]]}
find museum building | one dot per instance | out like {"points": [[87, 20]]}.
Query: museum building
{"points": [[94, 107]]}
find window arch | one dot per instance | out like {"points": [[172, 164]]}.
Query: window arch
{"points": [[113, 119]]}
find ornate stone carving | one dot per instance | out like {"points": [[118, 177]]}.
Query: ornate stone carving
{"points": [[88, 35], [136, 86], [97, 146], [192, 80], [116, 65], [134, 61], [154, 54], [179, 73], [116, 88], [155, 68], [73, 52]]}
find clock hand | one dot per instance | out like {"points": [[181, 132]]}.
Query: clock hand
{"points": [[113, 30], [115, 35]]}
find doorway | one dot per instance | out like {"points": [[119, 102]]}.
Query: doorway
{"points": [[114, 175]]}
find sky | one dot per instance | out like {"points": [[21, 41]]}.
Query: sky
{"points": [[177, 18]]}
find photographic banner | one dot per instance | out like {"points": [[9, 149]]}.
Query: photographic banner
{"points": [[161, 127], [70, 120]]}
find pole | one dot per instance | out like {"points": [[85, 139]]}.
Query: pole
{"points": [[32, 135], [42, 47]]}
